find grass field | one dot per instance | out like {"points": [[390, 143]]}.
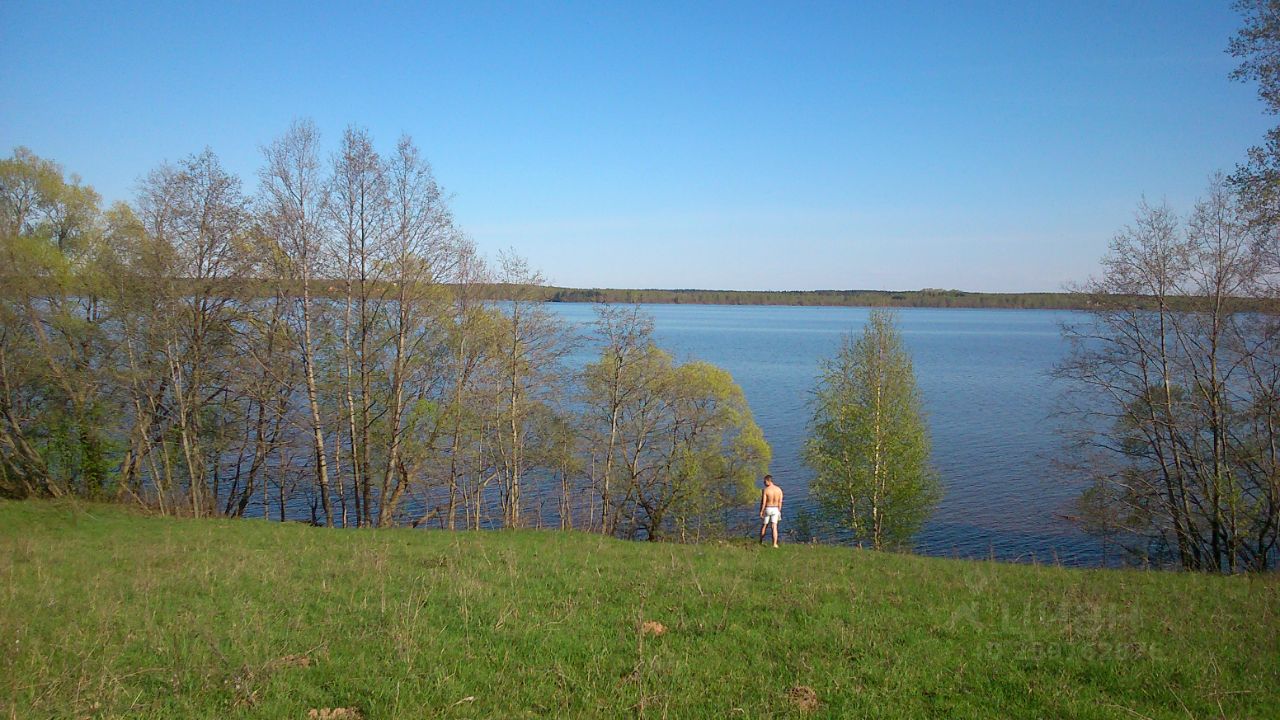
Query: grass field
{"points": [[108, 613]]}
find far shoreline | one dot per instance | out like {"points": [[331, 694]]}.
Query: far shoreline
{"points": [[925, 298], [330, 288]]}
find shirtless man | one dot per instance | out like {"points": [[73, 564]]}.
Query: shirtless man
{"points": [[770, 508]]}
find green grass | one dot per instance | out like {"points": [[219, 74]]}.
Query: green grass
{"points": [[107, 613]]}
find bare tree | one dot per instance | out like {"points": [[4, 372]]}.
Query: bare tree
{"points": [[267, 377], [197, 210], [421, 254], [360, 213], [610, 387], [1181, 415], [532, 344], [294, 199]]}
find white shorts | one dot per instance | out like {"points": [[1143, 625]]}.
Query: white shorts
{"points": [[772, 515]]}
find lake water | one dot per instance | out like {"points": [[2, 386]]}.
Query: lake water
{"points": [[990, 400]]}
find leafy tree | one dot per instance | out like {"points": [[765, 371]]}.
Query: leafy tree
{"points": [[712, 452], [1257, 45], [671, 447], [868, 442], [55, 397]]}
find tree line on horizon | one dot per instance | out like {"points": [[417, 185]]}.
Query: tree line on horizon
{"points": [[925, 298]]}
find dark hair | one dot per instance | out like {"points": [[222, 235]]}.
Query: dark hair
{"points": [[768, 477]]}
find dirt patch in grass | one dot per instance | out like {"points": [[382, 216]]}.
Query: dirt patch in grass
{"points": [[803, 697], [653, 628]]}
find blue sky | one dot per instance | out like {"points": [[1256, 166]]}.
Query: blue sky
{"points": [[884, 145]]}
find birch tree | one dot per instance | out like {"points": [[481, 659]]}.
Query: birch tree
{"points": [[196, 211], [472, 338], [609, 388], [294, 199], [420, 259], [868, 444], [360, 213], [531, 345]]}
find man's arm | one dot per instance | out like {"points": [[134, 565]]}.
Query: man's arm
{"points": [[762, 500]]}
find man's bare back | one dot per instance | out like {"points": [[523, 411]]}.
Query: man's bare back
{"points": [[770, 508], [772, 497]]}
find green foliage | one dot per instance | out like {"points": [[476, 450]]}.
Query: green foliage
{"points": [[1257, 46], [75, 449], [868, 444], [675, 445], [54, 360], [718, 450], [110, 614]]}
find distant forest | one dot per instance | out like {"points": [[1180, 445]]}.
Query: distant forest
{"points": [[925, 298], [928, 297]]}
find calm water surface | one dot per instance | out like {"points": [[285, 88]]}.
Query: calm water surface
{"points": [[990, 400]]}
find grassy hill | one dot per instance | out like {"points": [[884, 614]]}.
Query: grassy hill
{"points": [[108, 613]]}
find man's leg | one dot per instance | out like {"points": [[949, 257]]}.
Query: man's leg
{"points": [[763, 528], [775, 532]]}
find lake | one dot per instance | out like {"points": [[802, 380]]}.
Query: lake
{"points": [[990, 399]]}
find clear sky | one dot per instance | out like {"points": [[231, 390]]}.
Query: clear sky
{"points": [[786, 145]]}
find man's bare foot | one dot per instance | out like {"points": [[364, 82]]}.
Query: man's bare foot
{"points": [[775, 544]]}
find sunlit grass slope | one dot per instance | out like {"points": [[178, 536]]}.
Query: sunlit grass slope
{"points": [[107, 613]]}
